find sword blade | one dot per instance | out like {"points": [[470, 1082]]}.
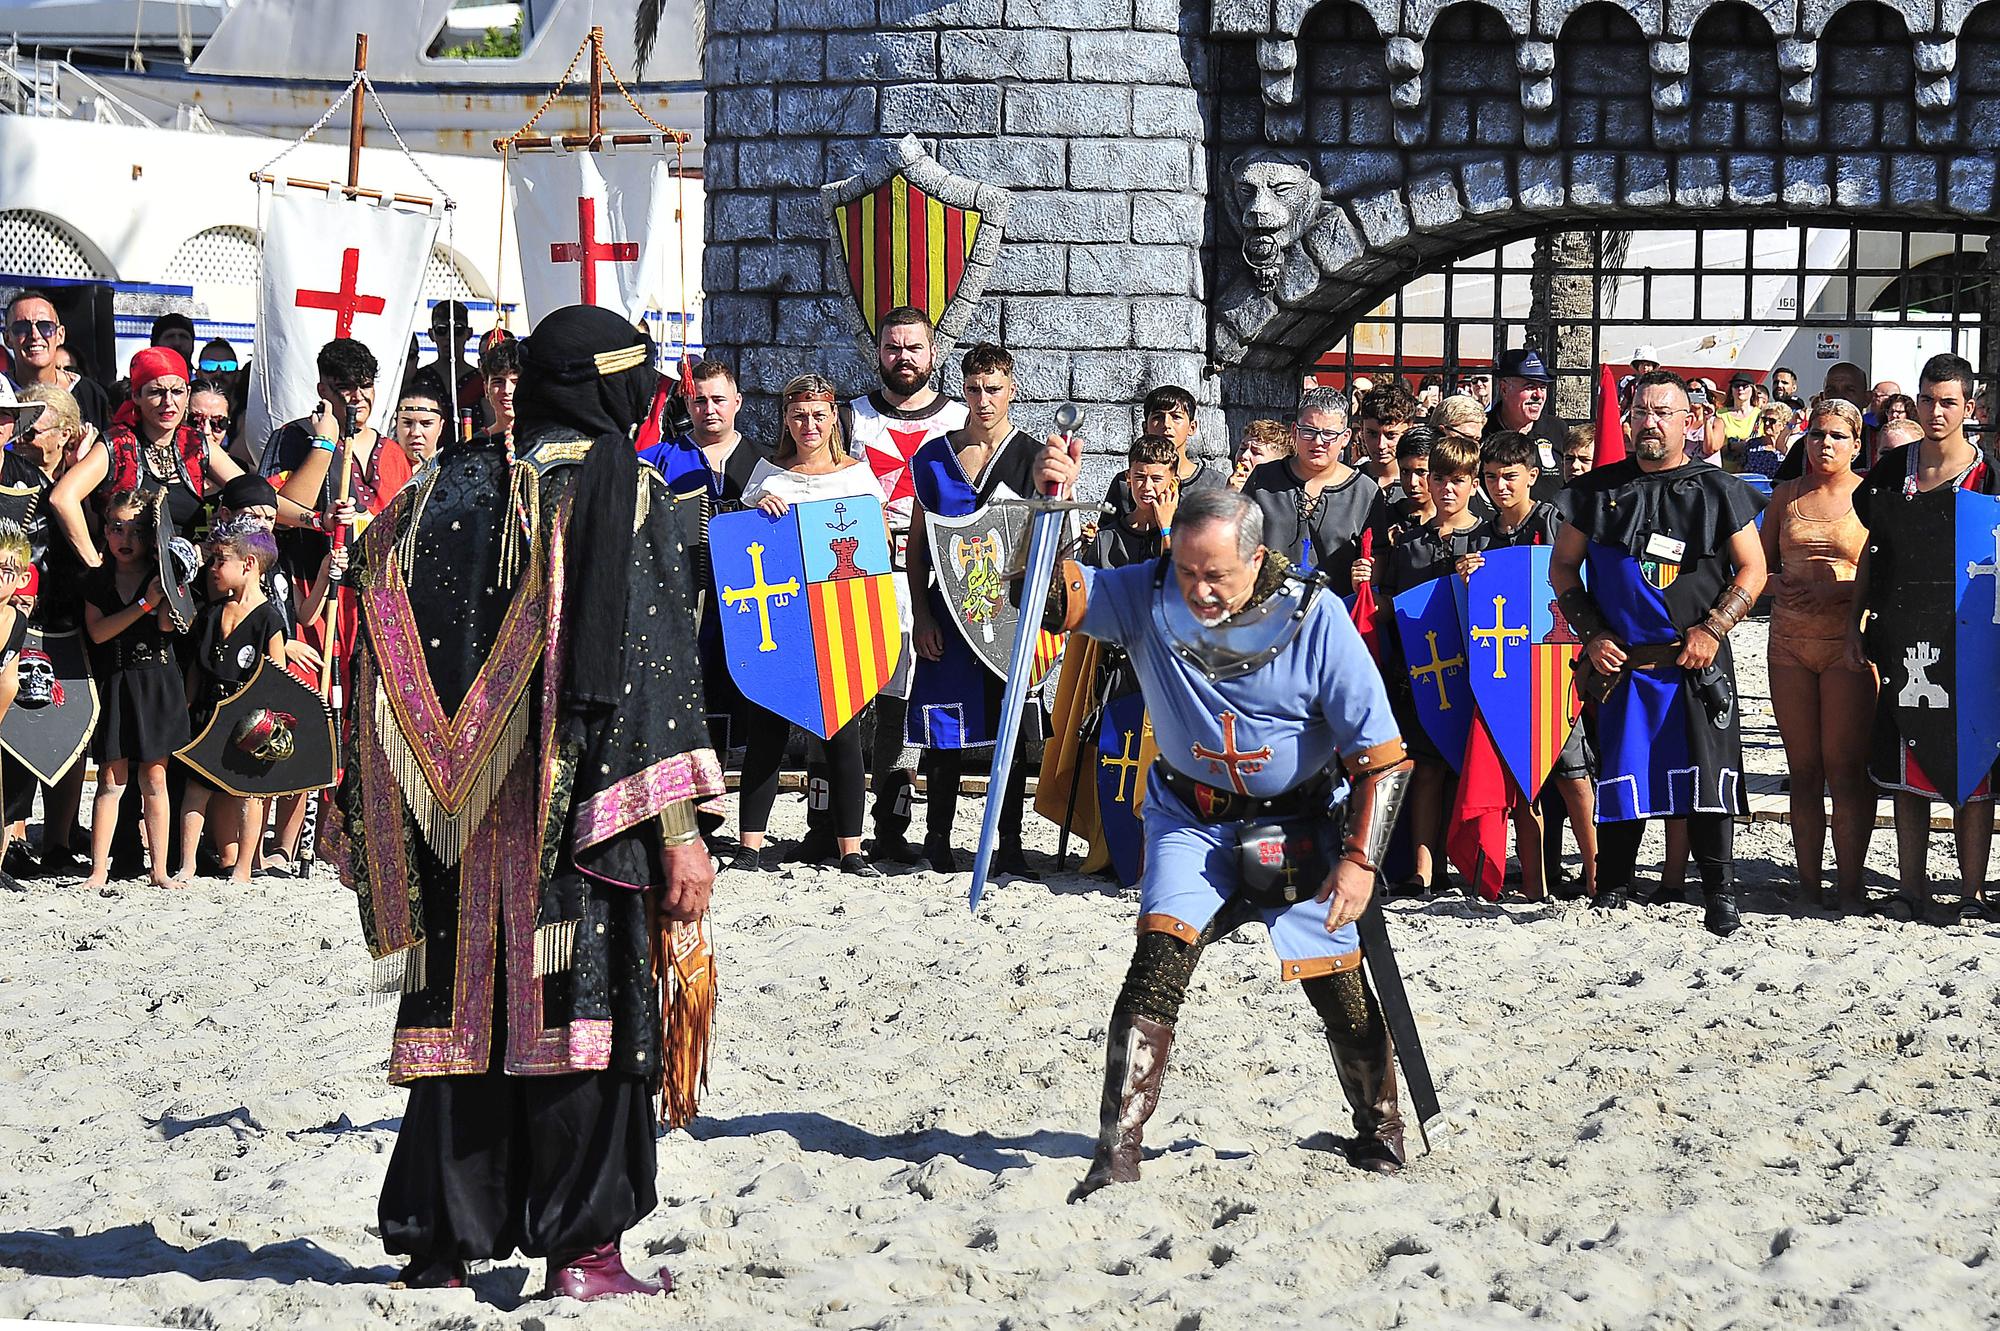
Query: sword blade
{"points": [[1380, 958], [1044, 542]]}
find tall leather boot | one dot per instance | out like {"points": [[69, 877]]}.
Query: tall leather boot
{"points": [[1134, 1065], [1367, 1073], [1719, 915]]}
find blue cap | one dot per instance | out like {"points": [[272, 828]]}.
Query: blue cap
{"points": [[1524, 363]]}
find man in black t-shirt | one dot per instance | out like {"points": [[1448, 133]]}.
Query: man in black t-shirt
{"points": [[35, 335]]}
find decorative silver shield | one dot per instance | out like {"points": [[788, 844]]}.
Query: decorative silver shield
{"points": [[972, 556]]}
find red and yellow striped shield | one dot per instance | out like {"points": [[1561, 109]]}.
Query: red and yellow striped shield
{"points": [[1556, 706], [854, 622], [903, 247]]}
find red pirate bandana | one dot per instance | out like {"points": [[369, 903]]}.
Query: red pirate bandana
{"points": [[156, 363]]}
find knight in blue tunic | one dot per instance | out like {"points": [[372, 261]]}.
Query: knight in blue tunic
{"points": [[954, 699], [1674, 563], [1269, 714]]}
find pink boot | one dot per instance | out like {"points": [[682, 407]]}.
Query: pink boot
{"points": [[600, 1274]]}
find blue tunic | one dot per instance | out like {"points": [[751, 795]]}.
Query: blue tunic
{"points": [[955, 700], [1261, 733]]}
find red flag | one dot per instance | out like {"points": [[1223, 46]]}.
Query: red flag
{"points": [[1365, 610], [1610, 419], [1477, 842]]}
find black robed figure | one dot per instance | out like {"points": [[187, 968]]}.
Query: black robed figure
{"points": [[516, 817]]}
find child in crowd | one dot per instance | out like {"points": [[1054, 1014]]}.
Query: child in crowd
{"points": [[143, 716], [239, 626], [1263, 441], [1579, 451], [17, 568], [251, 501], [1509, 468], [1140, 535], [1419, 555]]}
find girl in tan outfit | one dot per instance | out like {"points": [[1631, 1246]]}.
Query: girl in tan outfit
{"points": [[1812, 540]]}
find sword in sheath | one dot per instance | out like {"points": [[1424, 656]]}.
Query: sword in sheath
{"points": [[1045, 525], [1380, 960]]}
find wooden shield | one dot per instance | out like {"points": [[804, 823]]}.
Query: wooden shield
{"points": [[214, 755], [808, 608], [1520, 647], [1937, 639], [971, 558], [1434, 658], [50, 724], [908, 232]]}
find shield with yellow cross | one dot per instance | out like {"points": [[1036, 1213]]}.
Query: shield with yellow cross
{"points": [[808, 608], [908, 232], [1434, 663], [1519, 649]]}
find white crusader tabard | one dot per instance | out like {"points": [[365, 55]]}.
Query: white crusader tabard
{"points": [[335, 267], [599, 229]]}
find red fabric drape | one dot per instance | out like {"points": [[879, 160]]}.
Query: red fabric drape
{"points": [[1487, 795]]}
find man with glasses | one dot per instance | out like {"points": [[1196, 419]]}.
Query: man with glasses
{"points": [[35, 336], [1675, 563], [1315, 506]]}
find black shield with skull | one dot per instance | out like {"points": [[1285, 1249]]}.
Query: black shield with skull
{"points": [[55, 711]]}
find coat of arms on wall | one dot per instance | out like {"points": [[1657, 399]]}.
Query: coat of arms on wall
{"points": [[908, 232]]}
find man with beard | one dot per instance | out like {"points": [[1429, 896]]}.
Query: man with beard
{"points": [[1675, 563], [1269, 713], [516, 819], [887, 427]]}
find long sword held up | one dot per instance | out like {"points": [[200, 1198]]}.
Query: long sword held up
{"points": [[1044, 541]]}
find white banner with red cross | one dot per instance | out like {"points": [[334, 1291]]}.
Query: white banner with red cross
{"points": [[334, 267], [602, 228]]}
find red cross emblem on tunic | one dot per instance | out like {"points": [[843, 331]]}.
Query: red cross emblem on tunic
{"points": [[892, 462], [587, 251], [1229, 758], [346, 302]]}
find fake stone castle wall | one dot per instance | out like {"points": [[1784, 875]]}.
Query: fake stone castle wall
{"points": [[1210, 194]]}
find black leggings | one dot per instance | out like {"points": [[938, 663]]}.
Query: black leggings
{"points": [[1162, 965], [943, 769], [764, 753], [1711, 842]]}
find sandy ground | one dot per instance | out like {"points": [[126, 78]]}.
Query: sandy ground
{"points": [[1644, 1127]]}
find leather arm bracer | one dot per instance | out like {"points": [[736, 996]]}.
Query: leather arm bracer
{"points": [[1377, 779], [1729, 609], [1582, 613]]}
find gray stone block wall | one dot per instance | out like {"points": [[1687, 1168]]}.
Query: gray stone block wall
{"points": [[1431, 129], [1086, 110]]}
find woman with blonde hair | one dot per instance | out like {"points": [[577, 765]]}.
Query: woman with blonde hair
{"points": [[41, 453], [812, 463], [1812, 542], [1460, 415]]}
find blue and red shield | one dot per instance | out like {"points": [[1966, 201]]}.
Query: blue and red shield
{"points": [[1937, 640], [1434, 658], [1520, 648], [1120, 779], [808, 608]]}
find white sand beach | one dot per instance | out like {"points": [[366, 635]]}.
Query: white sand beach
{"points": [[1644, 1127]]}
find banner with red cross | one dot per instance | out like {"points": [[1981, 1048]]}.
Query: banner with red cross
{"points": [[603, 228], [334, 267]]}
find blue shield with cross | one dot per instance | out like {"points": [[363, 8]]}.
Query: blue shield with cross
{"points": [[808, 608], [1434, 663]]}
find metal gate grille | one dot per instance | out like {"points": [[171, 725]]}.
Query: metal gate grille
{"points": [[1713, 300]]}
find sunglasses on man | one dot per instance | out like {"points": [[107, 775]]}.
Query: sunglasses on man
{"points": [[45, 329]]}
